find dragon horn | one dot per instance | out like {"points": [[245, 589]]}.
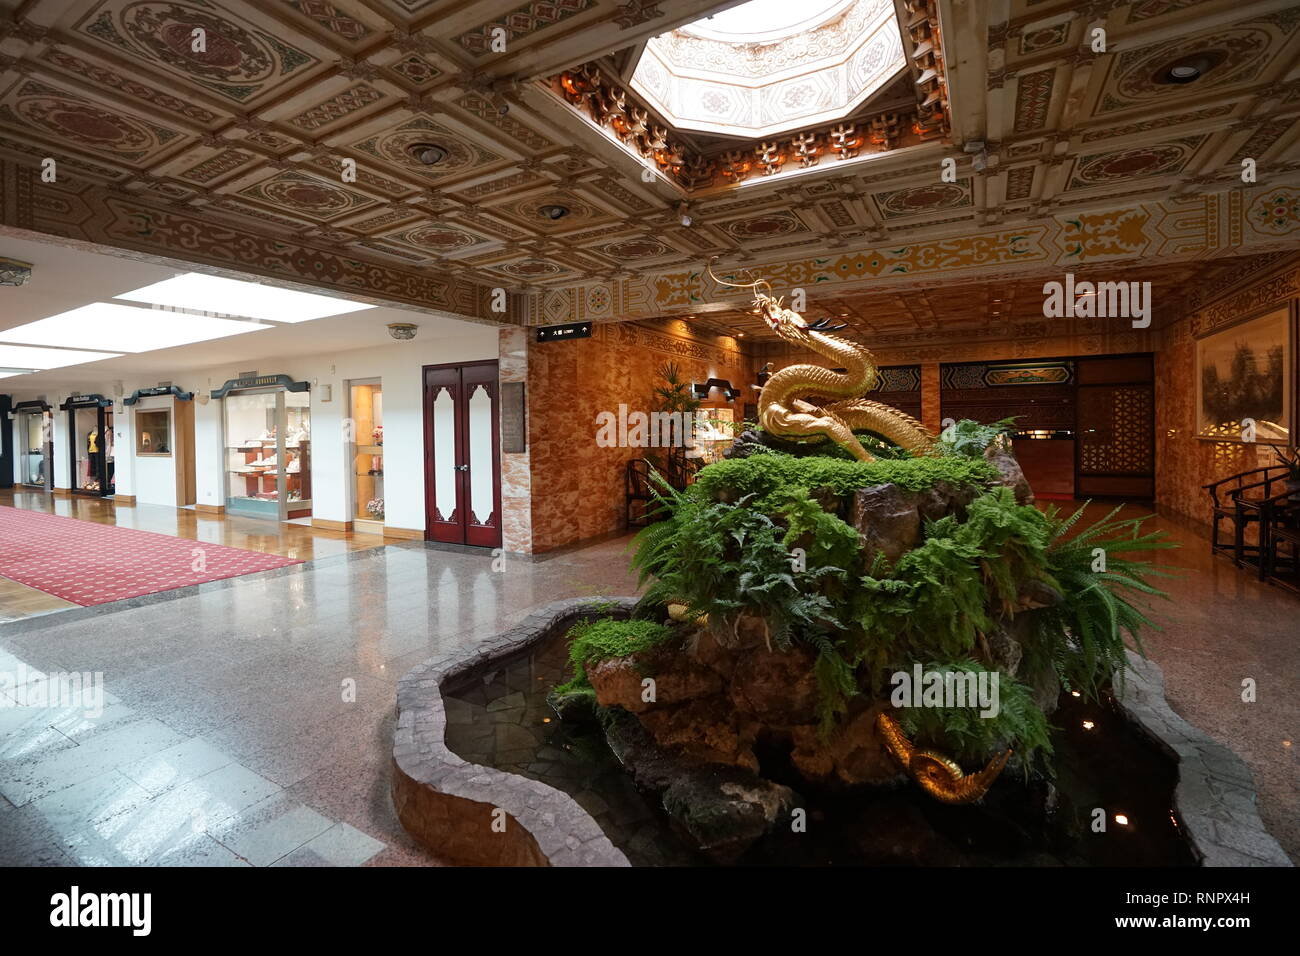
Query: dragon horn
{"points": [[734, 285]]}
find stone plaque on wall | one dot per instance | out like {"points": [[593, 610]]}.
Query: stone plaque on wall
{"points": [[514, 436]]}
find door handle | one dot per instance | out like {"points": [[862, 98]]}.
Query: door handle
{"points": [[461, 467]]}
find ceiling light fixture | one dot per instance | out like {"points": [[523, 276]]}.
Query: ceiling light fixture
{"points": [[205, 293], [1189, 69], [553, 211], [428, 154], [126, 328]]}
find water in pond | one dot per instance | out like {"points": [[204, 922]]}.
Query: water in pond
{"points": [[499, 717]]}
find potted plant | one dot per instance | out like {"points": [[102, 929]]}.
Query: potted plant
{"points": [[375, 508]]}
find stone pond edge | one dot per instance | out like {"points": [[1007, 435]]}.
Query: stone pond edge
{"points": [[1215, 796], [448, 804]]}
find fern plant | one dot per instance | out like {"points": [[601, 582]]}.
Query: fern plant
{"points": [[968, 735], [724, 549], [971, 439], [1104, 588]]}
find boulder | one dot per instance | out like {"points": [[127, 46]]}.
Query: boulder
{"points": [[577, 707], [945, 498], [724, 810], [706, 730], [775, 688], [721, 809], [1004, 651], [853, 755], [887, 521], [619, 681], [1000, 455]]}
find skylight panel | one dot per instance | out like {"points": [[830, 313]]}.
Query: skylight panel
{"points": [[126, 328], [205, 293]]}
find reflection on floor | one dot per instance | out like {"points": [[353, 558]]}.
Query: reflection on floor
{"points": [[252, 722], [231, 733], [290, 540]]}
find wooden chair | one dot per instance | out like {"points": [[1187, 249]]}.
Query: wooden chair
{"points": [[1226, 504], [636, 486], [1279, 531]]}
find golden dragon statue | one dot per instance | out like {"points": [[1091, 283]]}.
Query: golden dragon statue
{"points": [[809, 403], [939, 776]]}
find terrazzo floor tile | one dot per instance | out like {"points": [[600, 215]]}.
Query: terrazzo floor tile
{"points": [[175, 766], [170, 822], [340, 845], [267, 831], [91, 804], [29, 840], [22, 781]]}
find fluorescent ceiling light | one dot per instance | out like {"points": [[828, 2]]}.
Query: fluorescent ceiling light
{"points": [[233, 297], [126, 328], [11, 374], [23, 356]]}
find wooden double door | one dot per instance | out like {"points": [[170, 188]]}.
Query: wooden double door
{"points": [[462, 454]]}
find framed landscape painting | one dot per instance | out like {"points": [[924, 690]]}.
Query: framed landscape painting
{"points": [[1245, 373]]}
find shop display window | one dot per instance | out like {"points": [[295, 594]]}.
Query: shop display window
{"points": [[153, 431], [268, 453], [90, 430], [368, 456], [35, 429]]}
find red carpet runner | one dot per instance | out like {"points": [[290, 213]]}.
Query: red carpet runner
{"points": [[88, 563]]}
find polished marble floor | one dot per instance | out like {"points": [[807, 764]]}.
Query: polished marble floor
{"points": [[249, 721]]}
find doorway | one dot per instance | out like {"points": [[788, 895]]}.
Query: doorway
{"points": [[462, 454]]}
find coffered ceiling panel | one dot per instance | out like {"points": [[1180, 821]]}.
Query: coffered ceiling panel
{"points": [[400, 139]]}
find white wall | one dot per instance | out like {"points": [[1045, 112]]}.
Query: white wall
{"points": [[151, 480], [400, 369]]}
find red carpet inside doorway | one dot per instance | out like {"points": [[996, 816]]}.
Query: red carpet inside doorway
{"points": [[88, 563]]}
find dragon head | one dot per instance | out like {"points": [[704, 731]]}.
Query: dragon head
{"points": [[784, 322]]}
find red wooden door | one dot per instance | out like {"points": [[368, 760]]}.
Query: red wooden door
{"points": [[462, 454]]}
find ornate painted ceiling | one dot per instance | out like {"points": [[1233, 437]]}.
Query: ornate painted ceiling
{"points": [[237, 156]]}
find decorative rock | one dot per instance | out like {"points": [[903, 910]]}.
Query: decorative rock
{"points": [[726, 809], [1000, 455], [619, 681], [707, 730], [887, 522], [853, 755], [946, 498], [578, 707], [776, 687]]}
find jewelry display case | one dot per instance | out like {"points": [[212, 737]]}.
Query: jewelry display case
{"points": [[368, 457], [35, 448], [267, 426]]}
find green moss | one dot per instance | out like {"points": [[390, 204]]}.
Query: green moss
{"points": [[772, 478], [598, 640]]}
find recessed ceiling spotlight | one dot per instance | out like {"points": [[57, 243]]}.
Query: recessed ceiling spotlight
{"points": [[429, 154], [553, 211], [1188, 69]]}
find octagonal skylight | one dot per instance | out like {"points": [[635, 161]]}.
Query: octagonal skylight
{"points": [[768, 66]]}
